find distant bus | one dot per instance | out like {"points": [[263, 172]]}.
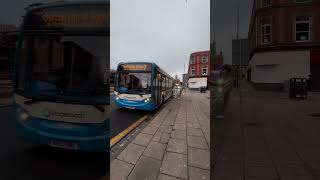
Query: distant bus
{"points": [[61, 88], [142, 86]]}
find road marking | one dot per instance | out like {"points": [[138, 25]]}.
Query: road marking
{"points": [[125, 132]]}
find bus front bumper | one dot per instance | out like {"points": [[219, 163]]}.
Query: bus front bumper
{"points": [[74, 137], [140, 105]]}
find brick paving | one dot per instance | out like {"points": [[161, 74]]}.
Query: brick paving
{"points": [[264, 135], [173, 146]]}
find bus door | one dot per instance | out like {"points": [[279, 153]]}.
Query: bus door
{"points": [[158, 89]]}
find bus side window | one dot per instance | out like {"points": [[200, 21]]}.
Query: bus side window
{"points": [[163, 84], [167, 84]]}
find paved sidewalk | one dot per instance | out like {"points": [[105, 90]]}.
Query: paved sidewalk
{"points": [[265, 135], [174, 145]]}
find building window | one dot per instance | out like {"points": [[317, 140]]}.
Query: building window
{"points": [[265, 30], [192, 60], [193, 71], [204, 59], [265, 3], [302, 1], [204, 71], [302, 28]]}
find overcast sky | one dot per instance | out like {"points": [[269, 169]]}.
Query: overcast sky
{"points": [[225, 23], [162, 31]]}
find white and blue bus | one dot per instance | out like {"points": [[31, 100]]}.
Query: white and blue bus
{"points": [[142, 86], [61, 88]]}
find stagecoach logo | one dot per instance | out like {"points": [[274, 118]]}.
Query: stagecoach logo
{"points": [[48, 113]]}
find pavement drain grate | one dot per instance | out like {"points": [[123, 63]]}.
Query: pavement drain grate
{"points": [[314, 114]]}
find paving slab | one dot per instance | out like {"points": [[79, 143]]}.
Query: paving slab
{"points": [[167, 177], [131, 153], [177, 146], [194, 132], [198, 174], [175, 164], [193, 125], [120, 170], [199, 158], [179, 127], [165, 138], [150, 130], [165, 128], [179, 134], [155, 150], [197, 142], [147, 168], [142, 139]]}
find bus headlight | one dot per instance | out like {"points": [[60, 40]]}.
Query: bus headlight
{"points": [[146, 100], [23, 115], [117, 98]]}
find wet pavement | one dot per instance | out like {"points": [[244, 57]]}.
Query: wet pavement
{"points": [[173, 145], [265, 135]]}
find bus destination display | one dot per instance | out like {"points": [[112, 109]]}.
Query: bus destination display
{"points": [[68, 19]]}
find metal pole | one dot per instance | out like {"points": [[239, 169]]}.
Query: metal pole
{"points": [[238, 22]]}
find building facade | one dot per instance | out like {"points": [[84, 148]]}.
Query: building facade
{"points": [[284, 42], [199, 64], [199, 69]]}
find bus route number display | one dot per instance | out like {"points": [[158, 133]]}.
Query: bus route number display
{"points": [[73, 20], [135, 67]]}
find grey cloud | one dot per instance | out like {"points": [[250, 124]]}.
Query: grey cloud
{"points": [[165, 32]]}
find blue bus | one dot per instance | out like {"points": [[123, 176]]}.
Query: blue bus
{"points": [[61, 90], [142, 86]]}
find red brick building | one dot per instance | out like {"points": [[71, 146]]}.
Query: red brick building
{"points": [[199, 66], [284, 40]]}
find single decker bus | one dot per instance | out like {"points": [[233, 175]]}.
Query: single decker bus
{"points": [[142, 86], [61, 90]]}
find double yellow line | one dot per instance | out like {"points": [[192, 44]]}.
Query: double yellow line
{"points": [[125, 132], [121, 135]]}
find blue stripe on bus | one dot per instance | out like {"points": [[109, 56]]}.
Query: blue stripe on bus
{"points": [[87, 137], [140, 105]]}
